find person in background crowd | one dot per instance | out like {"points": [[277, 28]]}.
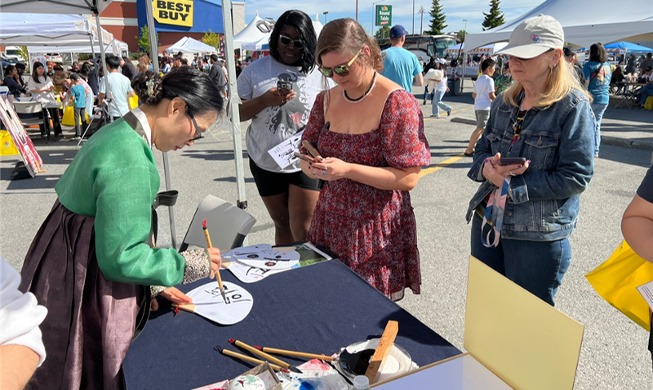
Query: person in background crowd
{"points": [[239, 68], [483, 95], [370, 135], [277, 93], [432, 64], [21, 343], [572, 59], [144, 63], [40, 85], [176, 61], [128, 69], [75, 68], [216, 74], [597, 80], [647, 90], [400, 65], [524, 211], [646, 63], [637, 226], [11, 81], [165, 65], [504, 80], [20, 68], [93, 71], [631, 65], [617, 80], [90, 95], [92, 260], [120, 88], [439, 88], [78, 95]]}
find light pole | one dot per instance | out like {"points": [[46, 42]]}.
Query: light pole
{"points": [[325, 13], [413, 16], [421, 23]]}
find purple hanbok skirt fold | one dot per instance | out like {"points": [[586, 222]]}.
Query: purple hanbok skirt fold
{"points": [[91, 320]]}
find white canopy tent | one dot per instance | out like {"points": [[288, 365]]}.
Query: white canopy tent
{"points": [[117, 47], [584, 22], [486, 49], [42, 29], [251, 33], [190, 45]]}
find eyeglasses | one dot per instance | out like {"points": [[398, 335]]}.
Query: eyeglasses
{"points": [[340, 70], [198, 132], [513, 58], [297, 43]]}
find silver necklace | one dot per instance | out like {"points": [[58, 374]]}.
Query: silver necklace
{"points": [[366, 94]]}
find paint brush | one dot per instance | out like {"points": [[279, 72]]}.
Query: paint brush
{"points": [[264, 355], [248, 359], [217, 274], [298, 354]]}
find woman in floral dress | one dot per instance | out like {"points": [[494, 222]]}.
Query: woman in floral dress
{"points": [[370, 134]]}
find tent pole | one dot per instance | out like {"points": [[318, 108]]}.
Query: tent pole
{"points": [[462, 78], [232, 104], [154, 53], [104, 62]]}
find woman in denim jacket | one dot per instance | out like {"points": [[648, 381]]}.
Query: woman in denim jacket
{"points": [[546, 118]]}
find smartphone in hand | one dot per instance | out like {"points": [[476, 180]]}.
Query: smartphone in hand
{"points": [[512, 160], [304, 157], [311, 149]]}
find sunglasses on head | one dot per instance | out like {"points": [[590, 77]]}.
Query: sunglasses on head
{"points": [[340, 70], [298, 43]]}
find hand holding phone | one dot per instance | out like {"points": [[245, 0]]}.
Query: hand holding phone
{"points": [[512, 160], [311, 150], [304, 157]]}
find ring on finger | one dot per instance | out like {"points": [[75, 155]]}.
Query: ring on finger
{"points": [[324, 172]]}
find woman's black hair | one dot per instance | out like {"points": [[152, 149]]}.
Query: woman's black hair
{"points": [[597, 52], [35, 76], [304, 26], [194, 87]]}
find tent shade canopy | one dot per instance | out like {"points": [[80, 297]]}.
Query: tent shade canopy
{"points": [[49, 30], [486, 49], [190, 45], [627, 46], [584, 22], [55, 7]]}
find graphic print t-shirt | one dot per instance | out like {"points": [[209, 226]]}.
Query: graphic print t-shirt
{"points": [[275, 124]]}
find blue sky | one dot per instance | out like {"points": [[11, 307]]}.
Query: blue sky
{"points": [[402, 10]]}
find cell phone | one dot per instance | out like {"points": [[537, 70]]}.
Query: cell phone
{"points": [[512, 160], [311, 149], [304, 157]]}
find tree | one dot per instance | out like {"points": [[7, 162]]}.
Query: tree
{"points": [[460, 35], [382, 32], [495, 17], [438, 21], [212, 39], [144, 40]]}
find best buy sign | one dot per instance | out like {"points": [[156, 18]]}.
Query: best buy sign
{"points": [[175, 12]]}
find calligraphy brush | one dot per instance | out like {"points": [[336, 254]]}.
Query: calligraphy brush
{"points": [[217, 274], [248, 358], [295, 353], [264, 355]]}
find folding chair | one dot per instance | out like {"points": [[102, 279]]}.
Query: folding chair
{"points": [[227, 224], [32, 115]]}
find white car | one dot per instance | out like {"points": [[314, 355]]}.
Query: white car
{"points": [[13, 54], [53, 57]]}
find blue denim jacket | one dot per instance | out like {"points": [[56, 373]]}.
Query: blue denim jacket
{"points": [[543, 203]]}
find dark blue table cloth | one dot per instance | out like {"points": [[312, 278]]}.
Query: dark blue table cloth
{"points": [[319, 308]]}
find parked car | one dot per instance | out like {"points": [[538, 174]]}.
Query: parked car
{"points": [[13, 54], [53, 57]]}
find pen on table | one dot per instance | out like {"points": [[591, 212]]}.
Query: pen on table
{"points": [[264, 355], [217, 274], [286, 352], [248, 358]]}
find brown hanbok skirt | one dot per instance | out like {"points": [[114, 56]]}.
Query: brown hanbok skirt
{"points": [[91, 320]]}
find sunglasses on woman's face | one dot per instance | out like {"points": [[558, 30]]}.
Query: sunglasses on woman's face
{"points": [[340, 70], [298, 43]]}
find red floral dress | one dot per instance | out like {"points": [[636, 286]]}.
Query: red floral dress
{"points": [[371, 230]]}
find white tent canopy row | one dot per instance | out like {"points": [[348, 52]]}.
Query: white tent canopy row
{"points": [[190, 45], [116, 47], [261, 40], [584, 22], [49, 30], [487, 49]]}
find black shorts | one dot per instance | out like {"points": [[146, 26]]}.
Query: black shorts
{"points": [[274, 183]]}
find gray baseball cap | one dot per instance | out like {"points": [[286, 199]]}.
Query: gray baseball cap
{"points": [[534, 36]]}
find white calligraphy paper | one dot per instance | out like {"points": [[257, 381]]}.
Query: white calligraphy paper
{"points": [[284, 153], [208, 303]]}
